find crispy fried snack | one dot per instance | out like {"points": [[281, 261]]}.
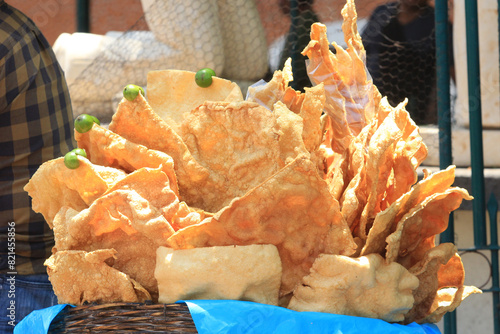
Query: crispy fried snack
{"points": [[311, 109], [139, 209], [241, 144], [138, 123], [426, 220], [106, 148], [447, 300], [441, 276], [78, 277], [291, 210], [250, 273], [274, 90], [386, 221], [54, 186], [378, 167], [308, 105], [212, 157], [410, 152], [171, 93], [364, 286], [373, 168], [352, 99]]}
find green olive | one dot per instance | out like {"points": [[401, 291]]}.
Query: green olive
{"points": [[84, 123], [203, 77], [131, 91], [80, 151], [71, 160], [96, 120]]}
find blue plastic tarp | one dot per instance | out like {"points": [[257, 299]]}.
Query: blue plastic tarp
{"points": [[238, 317], [38, 322], [228, 316]]}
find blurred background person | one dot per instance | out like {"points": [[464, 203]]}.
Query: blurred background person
{"points": [[400, 44], [297, 39], [36, 125]]}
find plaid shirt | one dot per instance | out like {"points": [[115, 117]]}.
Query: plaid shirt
{"points": [[36, 125]]}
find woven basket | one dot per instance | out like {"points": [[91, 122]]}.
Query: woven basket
{"points": [[124, 318]]}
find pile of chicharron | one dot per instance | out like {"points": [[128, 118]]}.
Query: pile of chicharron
{"points": [[309, 201]]}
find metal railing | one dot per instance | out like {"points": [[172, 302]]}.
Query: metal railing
{"points": [[476, 145], [83, 15]]}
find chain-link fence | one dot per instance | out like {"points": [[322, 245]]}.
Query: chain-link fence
{"points": [[244, 41]]}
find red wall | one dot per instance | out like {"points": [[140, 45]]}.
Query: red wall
{"points": [[57, 16]]}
